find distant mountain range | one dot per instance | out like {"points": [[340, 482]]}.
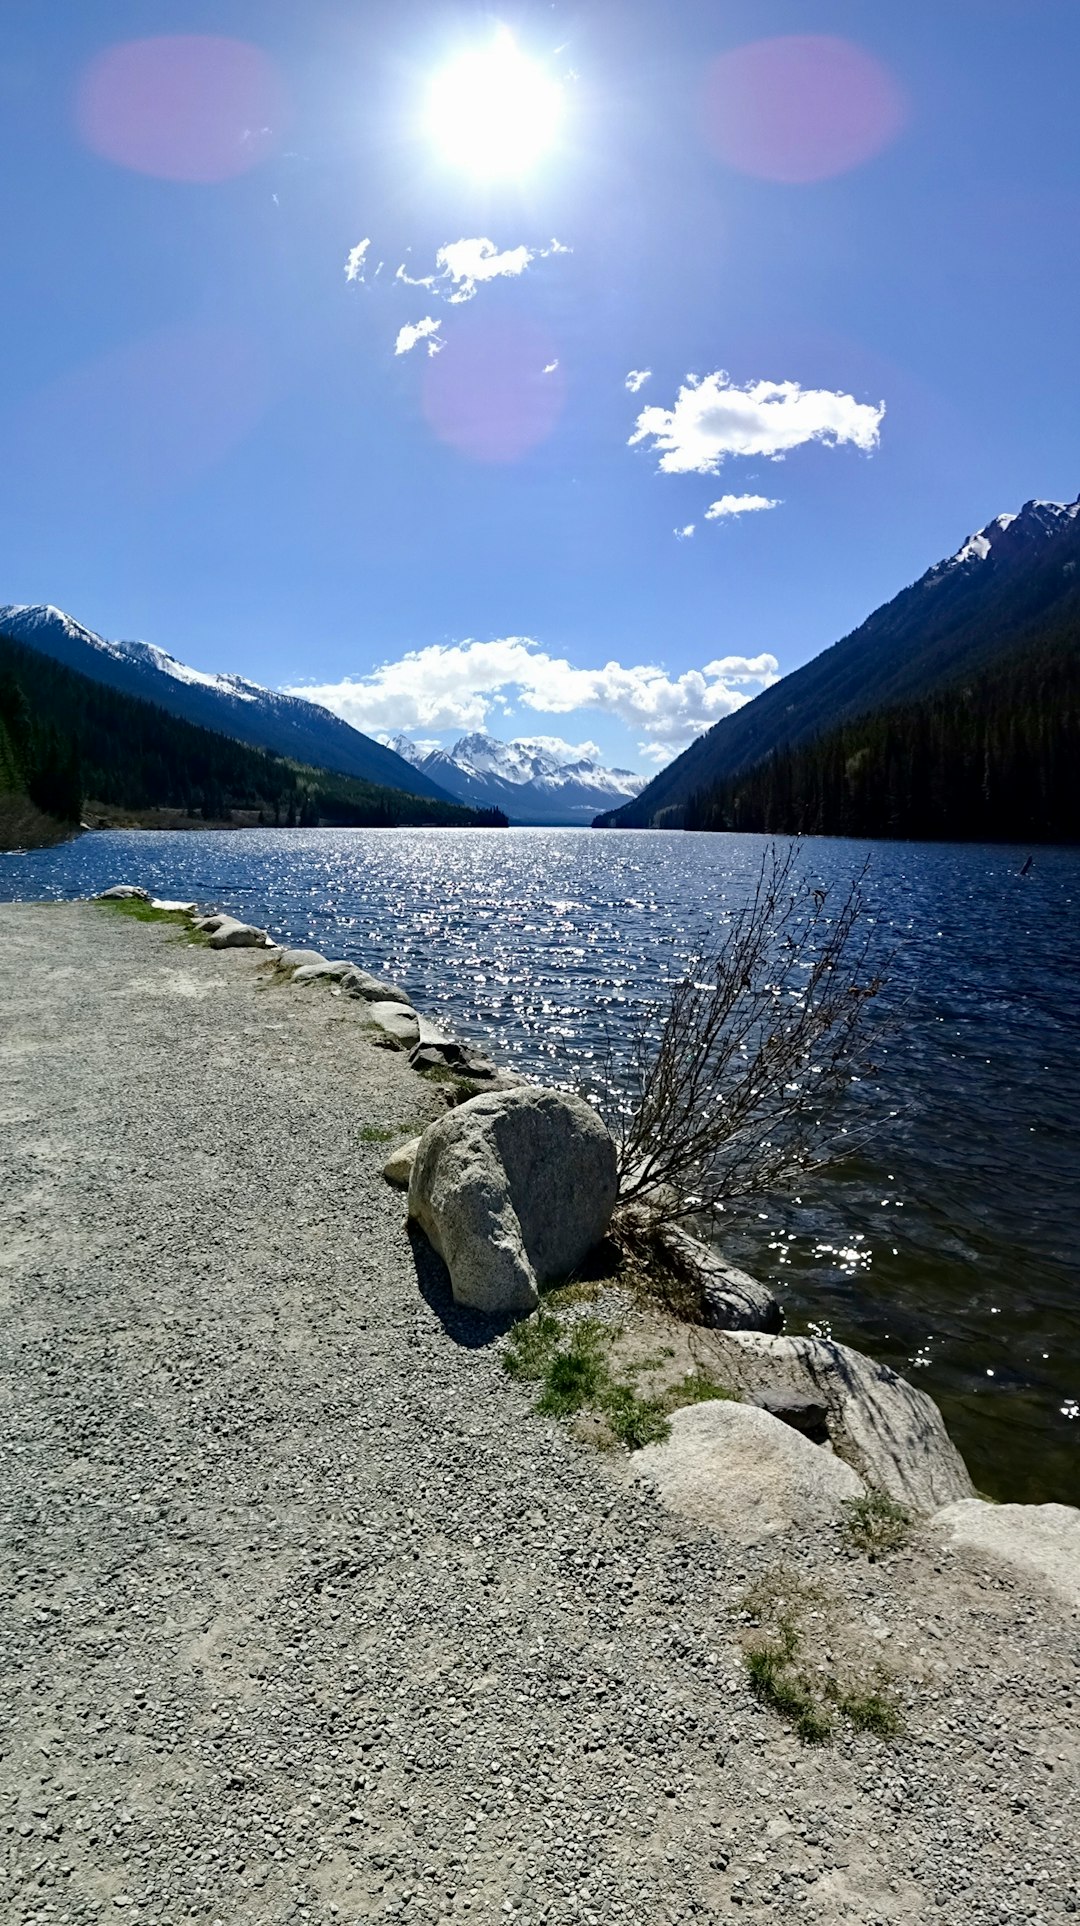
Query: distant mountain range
{"points": [[1008, 588], [525, 779], [231, 706]]}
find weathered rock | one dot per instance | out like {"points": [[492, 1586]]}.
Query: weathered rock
{"points": [[448, 1054], [1039, 1539], [732, 1299], [322, 970], [372, 989], [803, 1414], [396, 1020], [123, 893], [736, 1468], [513, 1189], [233, 935], [297, 959], [398, 1166], [893, 1435]]}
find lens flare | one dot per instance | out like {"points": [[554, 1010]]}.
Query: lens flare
{"points": [[184, 107], [801, 108], [495, 394], [494, 111]]}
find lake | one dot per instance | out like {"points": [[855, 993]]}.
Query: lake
{"points": [[948, 1248]]}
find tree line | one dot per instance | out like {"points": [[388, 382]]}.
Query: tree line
{"points": [[65, 739], [992, 758]]}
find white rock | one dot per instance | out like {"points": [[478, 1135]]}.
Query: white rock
{"points": [[297, 959], [746, 1474], [399, 1165], [894, 1435], [230, 934], [372, 989], [164, 903], [311, 972], [513, 1189], [397, 1020], [1040, 1539], [123, 893]]}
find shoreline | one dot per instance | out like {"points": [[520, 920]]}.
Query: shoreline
{"points": [[309, 1609]]}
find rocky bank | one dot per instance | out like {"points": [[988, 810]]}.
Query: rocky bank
{"points": [[307, 1615]]}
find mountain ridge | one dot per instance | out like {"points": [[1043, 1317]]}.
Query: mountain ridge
{"points": [[525, 778], [952, 620], [229, 705]]}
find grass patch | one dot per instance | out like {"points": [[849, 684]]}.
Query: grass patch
{"points": [[375, 1134], [877, 1523], [461, 1088], [635, 1421], [139, 912], [699, 1387], [576, 1374], [801, 1663], [530, 1347]]}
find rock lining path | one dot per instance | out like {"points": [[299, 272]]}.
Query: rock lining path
{"points": [[306, 1617]]}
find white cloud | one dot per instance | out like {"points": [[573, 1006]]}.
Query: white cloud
{"points": [[550, 367], [354, 264], [637, 378], [684, 534], [461, 266], [738, 505], [414, 331], [561, 750], [713, 419], [458, 685]]}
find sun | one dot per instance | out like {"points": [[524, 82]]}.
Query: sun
{"points": [[494, 111]]}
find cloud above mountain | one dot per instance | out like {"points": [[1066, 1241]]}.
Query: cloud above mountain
{"points": [[713, 420], [460, 685]]}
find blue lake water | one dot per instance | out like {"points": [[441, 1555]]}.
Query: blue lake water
{"points": [[948, 1248]]}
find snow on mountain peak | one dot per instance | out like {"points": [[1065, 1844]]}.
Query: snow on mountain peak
{"points": [[1036, 521]]}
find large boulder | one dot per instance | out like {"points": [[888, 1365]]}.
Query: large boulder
{"points": [[1043, 1540], [371, 989], [230, 934], [893, 1435], [395, 1020], [743, 1472], [297, 959], [314, 972], [513, 1189], [124, 893]]}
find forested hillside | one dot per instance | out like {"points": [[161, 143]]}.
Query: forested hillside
{"points": [[993, 758], [67, 741], [1010, 587]]}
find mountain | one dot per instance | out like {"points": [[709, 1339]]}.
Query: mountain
{"points": [[1015, 578], [263, 718], [64, 738], [527, 779]]}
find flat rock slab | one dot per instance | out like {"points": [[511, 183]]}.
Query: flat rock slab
{"points": [[396, 1020], [1040, 1539], [372, 989], [297, 959], [741, 1471], [322, 971], [892, 1434]]}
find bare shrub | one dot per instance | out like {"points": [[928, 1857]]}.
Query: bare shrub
{"points": [[730, 1086]]}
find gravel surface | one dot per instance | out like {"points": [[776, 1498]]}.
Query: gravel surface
{"points": [[306, 1616]]}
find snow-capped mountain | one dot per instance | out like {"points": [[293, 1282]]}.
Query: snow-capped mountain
{"points": [[1002, 583], [530, 778], [229, 704]]}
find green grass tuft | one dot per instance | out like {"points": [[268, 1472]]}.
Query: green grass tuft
{"points": [[635, 1421], [140, 912], [872, 1711], [699, 1387], [374, 1134], [530, 1346], [576, 1373], [876, 1523]]}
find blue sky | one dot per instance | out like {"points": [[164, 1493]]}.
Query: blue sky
{"points": [[212, 444]]}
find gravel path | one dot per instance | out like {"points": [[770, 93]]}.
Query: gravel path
{"points": [[305, 1615]]}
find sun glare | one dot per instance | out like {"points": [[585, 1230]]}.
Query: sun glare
{"points": [[494, 111]]}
